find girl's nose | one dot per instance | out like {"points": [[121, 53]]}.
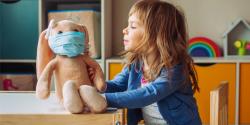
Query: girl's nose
{"points": [[125, 31]]}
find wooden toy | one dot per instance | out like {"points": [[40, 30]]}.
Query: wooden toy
{"points": [[203, 47]]}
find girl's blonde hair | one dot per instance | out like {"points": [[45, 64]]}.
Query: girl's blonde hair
{"points": [[165, 36]]}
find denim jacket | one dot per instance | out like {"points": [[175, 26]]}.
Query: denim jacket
{"points": [[175, 101]]}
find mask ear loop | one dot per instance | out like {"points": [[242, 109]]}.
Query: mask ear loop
{"points": [[51, 23]]}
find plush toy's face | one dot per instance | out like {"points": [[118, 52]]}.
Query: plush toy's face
{"points": [[67, 38]]}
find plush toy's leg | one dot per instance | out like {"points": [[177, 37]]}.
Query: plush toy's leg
{"points": [[72, 100], [93, 99], [59, 92]]}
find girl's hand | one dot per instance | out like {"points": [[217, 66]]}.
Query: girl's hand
{"points": [[95, 73]]}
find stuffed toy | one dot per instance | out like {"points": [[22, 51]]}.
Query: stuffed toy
{"points": [[63, 51]]}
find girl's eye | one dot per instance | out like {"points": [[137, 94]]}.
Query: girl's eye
{"points": [[59, 32], [76, 30], [132, 27]]}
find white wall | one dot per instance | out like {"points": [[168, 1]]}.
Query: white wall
{"points": [[120, 10], [211, 18]]}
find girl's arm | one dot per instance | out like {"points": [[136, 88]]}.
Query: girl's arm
{"points": [[119, 83], [153, 92]]}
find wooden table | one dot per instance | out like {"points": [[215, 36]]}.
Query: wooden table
{"points": [[23, 108]]}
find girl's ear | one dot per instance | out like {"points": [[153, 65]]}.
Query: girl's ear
{"points": [[86, 40]]}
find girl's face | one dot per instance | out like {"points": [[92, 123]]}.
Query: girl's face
{"points": [[133, 33]]}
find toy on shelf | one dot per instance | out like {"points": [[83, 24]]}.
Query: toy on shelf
{"points": [[17, 82], [8, 85], [232, 38], [242, 46], [203, 47]]}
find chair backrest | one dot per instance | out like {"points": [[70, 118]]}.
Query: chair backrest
{"points": [[219, 105]]}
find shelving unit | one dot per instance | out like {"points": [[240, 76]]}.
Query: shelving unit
{"points": [[18, 41]]}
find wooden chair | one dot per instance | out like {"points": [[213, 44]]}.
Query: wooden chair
{"points": [[219, 105]]}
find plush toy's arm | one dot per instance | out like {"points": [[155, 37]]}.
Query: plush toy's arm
{"points": [[98, 79], [43, 83], [44, 54]]}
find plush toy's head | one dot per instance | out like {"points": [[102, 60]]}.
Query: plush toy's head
{"points": [[67, 38]]}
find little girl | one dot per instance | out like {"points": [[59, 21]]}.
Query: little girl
{"points": [[158, 81]]}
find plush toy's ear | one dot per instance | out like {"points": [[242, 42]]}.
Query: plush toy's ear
{"points": [[48, 32], [44, 54], [85, 31]]}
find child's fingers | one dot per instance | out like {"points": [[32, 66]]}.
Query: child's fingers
{"points": [[92, 77], [42, 36], [91, 73], [89, 69]]}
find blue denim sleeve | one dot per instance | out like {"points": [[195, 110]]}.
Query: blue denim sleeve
{"points": [[119, 83], [153, 92]]}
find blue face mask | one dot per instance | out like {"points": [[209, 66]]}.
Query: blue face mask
{"points": [[70, 43]]}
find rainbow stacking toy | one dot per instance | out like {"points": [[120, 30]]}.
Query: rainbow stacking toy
{"points": [[203, 47]]}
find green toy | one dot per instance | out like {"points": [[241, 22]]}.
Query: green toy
{"points": [[242, 46]]}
